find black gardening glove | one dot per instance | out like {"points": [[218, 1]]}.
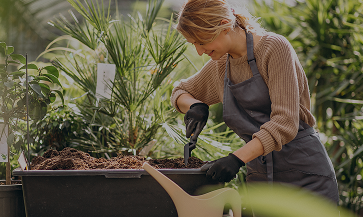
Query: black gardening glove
{"points": [[223, 169], [195, 119]]}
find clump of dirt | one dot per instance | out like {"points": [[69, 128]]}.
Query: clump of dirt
{"points": [[193, 162], [72, 159]]}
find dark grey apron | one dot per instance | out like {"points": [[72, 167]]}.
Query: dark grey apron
{"points": [[303, 161]]}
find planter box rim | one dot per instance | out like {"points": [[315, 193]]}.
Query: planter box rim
{"points": [[12, 187], [108, 173]]}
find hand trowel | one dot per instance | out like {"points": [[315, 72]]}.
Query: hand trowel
{"points": [[188, 149]]}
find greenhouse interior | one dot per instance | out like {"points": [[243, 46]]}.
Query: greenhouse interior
{"points": [[149, 97]]}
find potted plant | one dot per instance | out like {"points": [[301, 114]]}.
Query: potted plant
{"points": [[144, 52], [22, 98]]}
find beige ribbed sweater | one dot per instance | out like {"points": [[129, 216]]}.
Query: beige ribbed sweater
{"points": [[282, 72]]}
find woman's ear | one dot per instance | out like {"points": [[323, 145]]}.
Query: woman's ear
{"points": [[224, 21]]}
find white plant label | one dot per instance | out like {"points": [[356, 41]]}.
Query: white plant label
{"points": [[105, 77], [22, 161], [3, 143]]}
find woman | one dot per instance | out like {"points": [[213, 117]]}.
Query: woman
{"points": [[265, 95]]}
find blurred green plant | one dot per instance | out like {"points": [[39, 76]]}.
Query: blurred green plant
{"points": [[287, 201]]}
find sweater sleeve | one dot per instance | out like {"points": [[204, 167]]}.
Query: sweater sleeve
{"points": [[202, 86], [281, 61]]}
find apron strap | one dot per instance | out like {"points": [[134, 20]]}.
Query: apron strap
{"points": [[252, 62], [227, 68], [270, 168], [250, 56]]}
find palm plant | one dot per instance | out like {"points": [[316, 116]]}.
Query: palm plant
{"points": [[145, 51]]}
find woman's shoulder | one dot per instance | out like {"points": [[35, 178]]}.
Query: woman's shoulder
{"points": [[275, 41]]}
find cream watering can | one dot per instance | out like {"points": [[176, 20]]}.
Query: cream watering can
{"points": [[207, 205]]}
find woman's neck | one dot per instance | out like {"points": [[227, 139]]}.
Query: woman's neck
{"points": [[238, 45]]}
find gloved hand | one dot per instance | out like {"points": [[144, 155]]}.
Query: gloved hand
{"points": [[195, 119], [223, 169]]}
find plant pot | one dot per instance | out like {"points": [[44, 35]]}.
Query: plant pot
{"points": [[119, 192], [11, 201], [3, 142]]}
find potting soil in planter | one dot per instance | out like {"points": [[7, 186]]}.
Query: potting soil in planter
{"points": [[72, 183], [72, 159]]}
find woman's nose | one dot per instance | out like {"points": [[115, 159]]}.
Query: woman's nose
{"points": [[199, 49]]}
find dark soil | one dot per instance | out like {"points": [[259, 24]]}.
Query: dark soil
{"points": [[72, 159]]}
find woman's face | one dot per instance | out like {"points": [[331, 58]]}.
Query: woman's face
{"points": [[215, 49]]}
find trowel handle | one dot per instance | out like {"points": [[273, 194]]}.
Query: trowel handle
{"points": [[188, 150]]}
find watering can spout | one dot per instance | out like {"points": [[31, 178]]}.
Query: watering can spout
{"points": [[174, 190], [207, 205]]}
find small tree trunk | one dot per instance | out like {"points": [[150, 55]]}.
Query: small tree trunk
{"points": [[4, 134], [8, 173], [8, 167]]}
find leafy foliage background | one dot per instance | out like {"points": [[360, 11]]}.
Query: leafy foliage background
{"points": [[327, 36]]}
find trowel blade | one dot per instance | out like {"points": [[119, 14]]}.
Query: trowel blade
{"points": [[186, 153]]}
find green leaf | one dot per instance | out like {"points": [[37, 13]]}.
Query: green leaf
{"points": [[52, 97], [18, 57], [37, 89], [21, 102], [9, 84], [3, 44], [17, 73], [10, 139], [30, 66], [38, 110], [9, 50], [60, 95], [45, 88], [17, 145], [53, 78], [52, 70], [43, 78], [14, 62]]}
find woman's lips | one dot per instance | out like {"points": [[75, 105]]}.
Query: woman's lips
{"points": [[210, 54]]}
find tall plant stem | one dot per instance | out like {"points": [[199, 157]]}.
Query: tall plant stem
{"points": [[27, 108], [8, 167], [6, 123], [131, 130]]}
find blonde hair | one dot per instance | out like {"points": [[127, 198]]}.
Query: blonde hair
{"points": [[201, 19]]}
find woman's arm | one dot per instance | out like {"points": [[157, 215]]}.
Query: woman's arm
{"points": [[204, 86], [185, 101], [250, 151]]}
